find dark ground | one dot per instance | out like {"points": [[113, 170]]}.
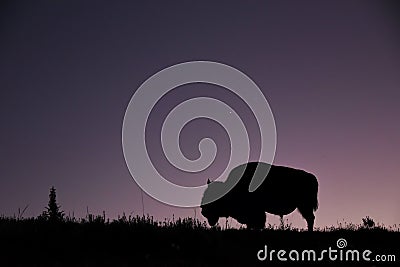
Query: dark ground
{"points": [[138, 241]]}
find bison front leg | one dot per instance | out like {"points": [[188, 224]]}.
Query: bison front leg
{"points": [[256, 221]]}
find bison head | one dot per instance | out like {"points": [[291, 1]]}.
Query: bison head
{"points": [[212, 211], [212, 217]]}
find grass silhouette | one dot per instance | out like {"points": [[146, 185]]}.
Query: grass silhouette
{"points": [[56, 239], [144, 241]]}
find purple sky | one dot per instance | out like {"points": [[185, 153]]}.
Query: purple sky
{"points": [[329, 69]]}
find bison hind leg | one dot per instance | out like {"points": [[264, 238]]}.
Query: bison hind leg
{"points": [[308, 215]]}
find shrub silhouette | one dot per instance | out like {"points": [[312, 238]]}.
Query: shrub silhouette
{"points": [[368, 222]]}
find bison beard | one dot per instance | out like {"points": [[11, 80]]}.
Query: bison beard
{"points": [[283, 190]]}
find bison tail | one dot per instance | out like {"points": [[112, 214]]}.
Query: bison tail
{"points": [[315, 204], [315, 195]]}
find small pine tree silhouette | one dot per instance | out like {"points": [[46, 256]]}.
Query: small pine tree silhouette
{"points": [[53, 212]]}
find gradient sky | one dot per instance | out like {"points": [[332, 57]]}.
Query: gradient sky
{"points": [[329, 69]]}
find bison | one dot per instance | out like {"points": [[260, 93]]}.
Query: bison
{"points": [[283, 190]]}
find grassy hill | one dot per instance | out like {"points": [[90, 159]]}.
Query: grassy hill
{"points": [[142, 241]]}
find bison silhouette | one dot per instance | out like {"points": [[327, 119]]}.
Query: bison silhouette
{"points": [[283, 190]]}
